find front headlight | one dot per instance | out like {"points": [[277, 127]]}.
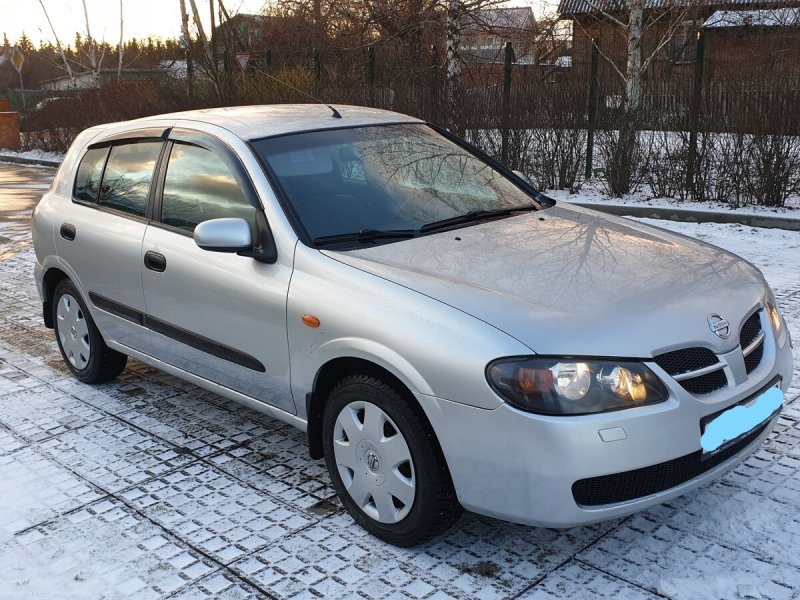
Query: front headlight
{"points": [[567, 386], [775, 317]]}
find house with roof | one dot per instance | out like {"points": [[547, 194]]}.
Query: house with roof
{"points": [[741, 38], [484, 36]]}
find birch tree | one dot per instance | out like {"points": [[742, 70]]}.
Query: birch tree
{"points": [[640, 19], [59, 47], [120, 48]]}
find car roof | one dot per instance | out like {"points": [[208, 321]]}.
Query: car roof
{"points": [[253, 122]]}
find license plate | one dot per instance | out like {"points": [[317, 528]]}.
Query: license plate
{"points": [[741, 419]]}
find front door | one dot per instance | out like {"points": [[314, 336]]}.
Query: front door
{"points": [[218, 315]]}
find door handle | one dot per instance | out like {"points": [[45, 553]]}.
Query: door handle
{"points": [[155, 261], [67, 231]]}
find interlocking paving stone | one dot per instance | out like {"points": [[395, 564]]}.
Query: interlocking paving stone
{"points": [[8, 443], [678, 563], [220, 584], [577, 581], [113, 454], [101, 551], [35, 489], [478, 558], [201, 426], [41, 412], [278, 463], [215, 513]]}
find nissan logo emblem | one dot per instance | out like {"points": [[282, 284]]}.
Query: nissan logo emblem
{"points": [[719, 325]]}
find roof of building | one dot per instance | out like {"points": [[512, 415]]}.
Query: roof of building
{"points": [[502, 19], [567, 8], [776, 17]]}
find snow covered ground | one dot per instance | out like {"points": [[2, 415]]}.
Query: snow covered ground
{"points": [[54, 157], [149, 487], [590, 193]]}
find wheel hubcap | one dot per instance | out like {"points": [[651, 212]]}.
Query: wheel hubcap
{"points": [[374, 462], [73, 331]]}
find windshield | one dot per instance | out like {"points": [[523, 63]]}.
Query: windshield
{"points": [[389, 178]]}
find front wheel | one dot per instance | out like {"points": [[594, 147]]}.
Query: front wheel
{"points": [[82, 347], [385, 463]]}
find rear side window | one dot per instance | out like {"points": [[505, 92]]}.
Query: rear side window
{"points": [[90, 171], [129, 171], [199, 186]]}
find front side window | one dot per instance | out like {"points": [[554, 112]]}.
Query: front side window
{"points": [[199, 186], [90, 171], [129, 171], [390, 177]]}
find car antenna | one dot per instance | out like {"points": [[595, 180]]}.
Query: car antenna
{"points": [[335, 112]]}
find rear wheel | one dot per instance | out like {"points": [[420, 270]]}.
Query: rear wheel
{"points": [[82, 347], [385, 463]]}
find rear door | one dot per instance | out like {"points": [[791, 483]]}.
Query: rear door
{"points": [[100, 236], [218, 315]]}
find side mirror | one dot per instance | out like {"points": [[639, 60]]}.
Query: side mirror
{"points": [[224, 235]]}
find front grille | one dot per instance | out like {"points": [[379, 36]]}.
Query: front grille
{"points": [[749, 333], [621, 487], [705, 384], [687, 360], [750, 330], [752, 360]]}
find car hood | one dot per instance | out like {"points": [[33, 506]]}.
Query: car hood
{"points": [[572, 281]]}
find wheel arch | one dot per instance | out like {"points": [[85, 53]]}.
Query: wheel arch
{"points": [[332, 372], [52, 277]]}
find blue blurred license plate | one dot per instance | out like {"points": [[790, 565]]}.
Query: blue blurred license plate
{"points": [[736, 422]]}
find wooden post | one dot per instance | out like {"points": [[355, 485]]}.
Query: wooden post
{"points": [[694, 109], [190, 74], [268, 58], [371, 74], [506, 103], [317, 65], [591, 108]]}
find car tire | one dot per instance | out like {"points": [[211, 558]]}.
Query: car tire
{"points": [[385, 462], [82, 347]]}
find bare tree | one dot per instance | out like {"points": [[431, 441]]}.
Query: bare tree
{"points": [[59, 47], [120, 49], [671, 17], [95, 61]]}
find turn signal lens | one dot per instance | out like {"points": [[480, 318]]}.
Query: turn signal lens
{"points": [[774, 317], [310, 320], [568, 387]]}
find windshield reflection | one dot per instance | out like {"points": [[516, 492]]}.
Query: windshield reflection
{"points": [[384, 178]]}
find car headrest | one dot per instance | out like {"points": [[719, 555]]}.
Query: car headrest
{"points": [[310, 161]]}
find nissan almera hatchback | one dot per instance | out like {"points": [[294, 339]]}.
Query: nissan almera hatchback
{"points": [[447, 336]]}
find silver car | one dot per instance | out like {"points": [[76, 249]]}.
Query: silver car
{"points": [[447, 336]]}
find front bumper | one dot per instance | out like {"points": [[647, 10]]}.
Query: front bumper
{"points": [[521, 467]]}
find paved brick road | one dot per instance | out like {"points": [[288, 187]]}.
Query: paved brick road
{"points": [[150, 487]]}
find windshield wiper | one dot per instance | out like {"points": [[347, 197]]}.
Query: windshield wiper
{"points": [[365, 235], [475, 215]]}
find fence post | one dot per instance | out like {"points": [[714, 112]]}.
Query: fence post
{"points": [[371, 74], [506, 105], [694, 109], [317, 65], [189, 74], [591, 108], [268, 58]]}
